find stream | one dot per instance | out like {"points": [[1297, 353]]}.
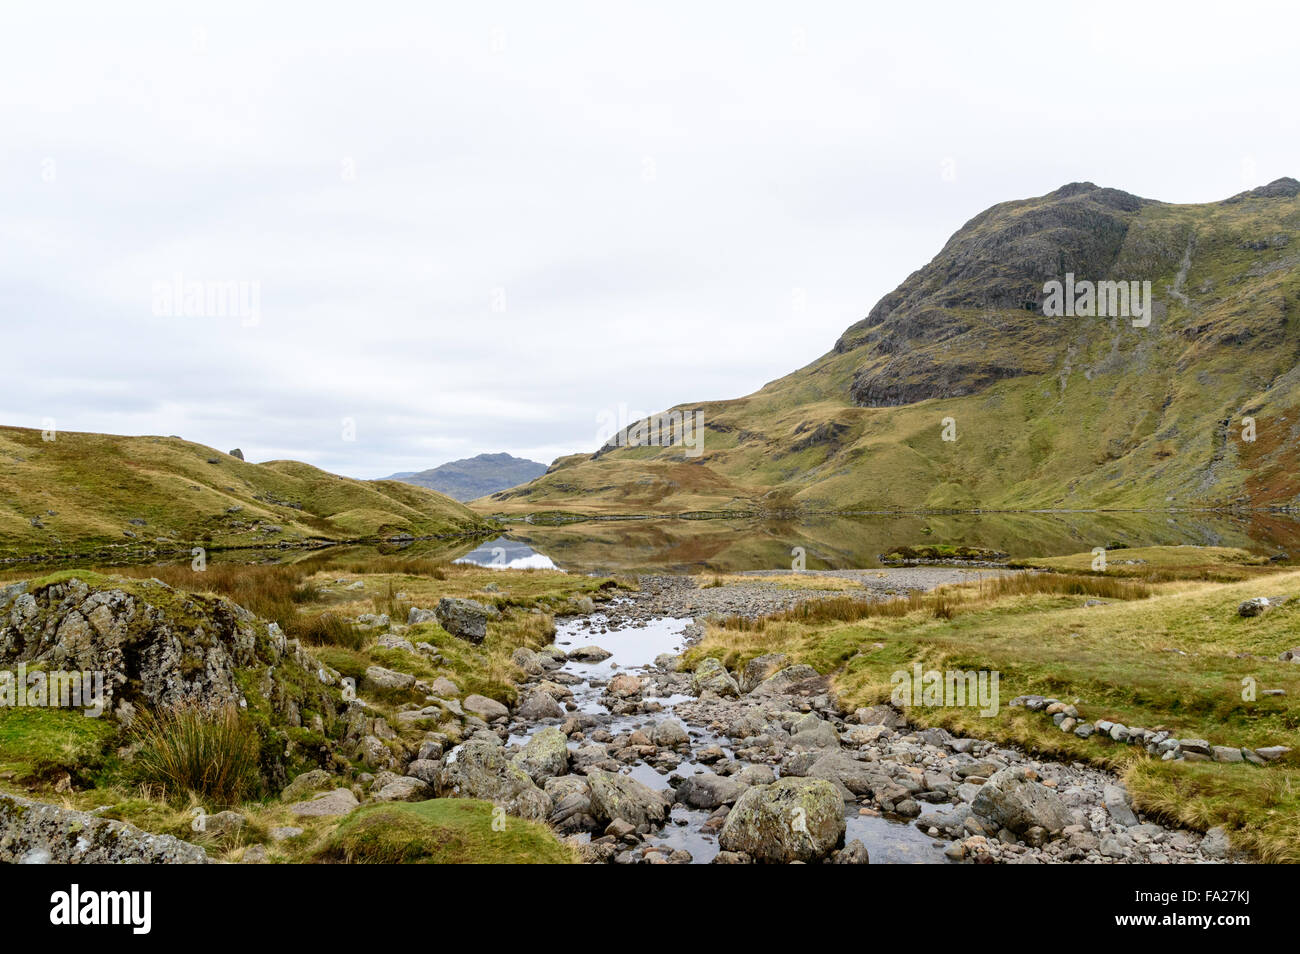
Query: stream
{"points": [[634, 645]]}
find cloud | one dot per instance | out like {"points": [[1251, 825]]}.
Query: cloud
{"points": [[475, 229]]}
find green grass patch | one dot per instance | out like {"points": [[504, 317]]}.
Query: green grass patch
{"points": [[441, 831]]}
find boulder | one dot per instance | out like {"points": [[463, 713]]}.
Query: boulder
{"points": [[1117, 803], [327, 804], [1013, 800], [707, 790], [624, 685], [489, 709], [545, 755], [538, 705], [1257, 606], [589, 654], [444, 688], [464, 618], [478, 769], [377, 677], [760, 668], [618, 796], [785, 680], [793, 819], [404, 789], [37, 833], [305, 784], [669, 734], [711, 676]]}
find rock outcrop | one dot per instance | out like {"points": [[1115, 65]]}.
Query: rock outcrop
{"points": [[36, 833]]}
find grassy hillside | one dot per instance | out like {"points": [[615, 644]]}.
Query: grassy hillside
{"points": [[100, 493], [1064, 412]]}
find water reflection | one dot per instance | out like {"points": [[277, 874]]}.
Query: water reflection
{"points": [[837, 543], [506, 554]]}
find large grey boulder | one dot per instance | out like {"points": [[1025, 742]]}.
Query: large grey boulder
{"points": [[616, 796], [489, 709], [669, 734], [36, 833], [305, 784], [793, 819], [1257, 606], [1013, 800], [537, 705], [711, 676], [1117, 803], [377, 677], [404, 789], [341, 801], [707, 790], [785, 680], [545, 755], [159, 647], [478, 769], [759, 668], [464, 618]]}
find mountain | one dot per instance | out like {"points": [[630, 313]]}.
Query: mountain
{"points": [[474, 476], [1045, 411], [82, 493]]}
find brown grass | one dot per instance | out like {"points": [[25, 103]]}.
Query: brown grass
{"points": [[945, 602]]}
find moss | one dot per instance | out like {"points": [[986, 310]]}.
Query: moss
{"points": [[441, 831]]}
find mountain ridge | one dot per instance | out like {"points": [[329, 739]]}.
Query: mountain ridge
{"points": [[473, 477], [1048, 412]]}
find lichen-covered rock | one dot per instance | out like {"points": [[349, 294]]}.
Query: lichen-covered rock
{"points": [[793, 819], [36, 833], [305, 784], [784, 680], [326, 804], [537, 706], [162, 647], [760, 668], [1014, 800], [478, 769], [464, 618], [616, 796], [377, 677], [545, 755], [711, 676], [707, 790]]}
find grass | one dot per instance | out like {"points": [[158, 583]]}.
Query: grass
{"points": [[188, 750], [1169, 655], [945, 602], [442, 831], [40, 743], [179, 762]]}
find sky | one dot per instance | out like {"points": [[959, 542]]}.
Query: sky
{"points": [[405, 233]]}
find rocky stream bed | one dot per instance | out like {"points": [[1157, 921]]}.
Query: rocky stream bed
{"points": [[646, 764]]}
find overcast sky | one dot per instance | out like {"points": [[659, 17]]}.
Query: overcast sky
{"points": [[476, 231]]}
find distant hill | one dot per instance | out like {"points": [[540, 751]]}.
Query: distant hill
{"points": [[475, 476], [84, 493], [962, 389]]}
